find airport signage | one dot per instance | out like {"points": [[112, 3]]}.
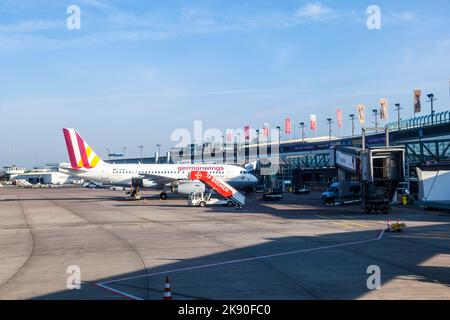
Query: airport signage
{"points": [[346, 161]]}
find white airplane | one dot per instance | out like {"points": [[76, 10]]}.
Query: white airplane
{"points": [[86, 164]]}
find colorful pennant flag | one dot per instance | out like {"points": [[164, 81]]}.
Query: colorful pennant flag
{"points": [[417, 104], [384, 109], [287, 126], [361, 113], [313, 122], [339, 117], [230, 135], [247, 132], [266, 129]]}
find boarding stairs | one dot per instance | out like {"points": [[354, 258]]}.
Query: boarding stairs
{"points": [[23, 183], [218, 185]]}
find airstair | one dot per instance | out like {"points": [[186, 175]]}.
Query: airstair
{"points": [[218, 185]]}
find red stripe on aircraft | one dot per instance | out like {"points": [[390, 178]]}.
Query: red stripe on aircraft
{"points": [[83, 153], [70, 150]]}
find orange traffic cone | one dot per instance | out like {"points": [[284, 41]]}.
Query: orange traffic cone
{"points": [[167, 290]]}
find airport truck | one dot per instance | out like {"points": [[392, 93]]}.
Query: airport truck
{"points": [[378, 170], [345, 192]]}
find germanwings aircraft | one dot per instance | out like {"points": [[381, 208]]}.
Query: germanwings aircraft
{"points": [[86, 164]]}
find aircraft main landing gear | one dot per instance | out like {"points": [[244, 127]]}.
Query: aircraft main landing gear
{"points": [[163, 196], [135, 189]]}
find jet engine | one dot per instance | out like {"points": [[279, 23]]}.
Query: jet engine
{"points": [[188, 187]]}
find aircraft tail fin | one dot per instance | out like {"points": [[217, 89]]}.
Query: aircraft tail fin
{"points": [[81, 155]]}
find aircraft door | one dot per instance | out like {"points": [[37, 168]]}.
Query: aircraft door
{"points": [[228, 174], [105, 176]]}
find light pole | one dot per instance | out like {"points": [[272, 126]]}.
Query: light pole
{"points": [[124, 151], [159, 151], [432, 99], [13, 146], [224, 153], [237, 150], [141, 147], [352, 118], [279, 137], [398, 108], [203, 152], [302, 126], [375, 114], [330, 122], [257, 143]]}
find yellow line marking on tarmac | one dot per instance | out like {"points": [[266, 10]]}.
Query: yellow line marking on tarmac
{"points": [[355, 223], [343, 225], [358, 224]]}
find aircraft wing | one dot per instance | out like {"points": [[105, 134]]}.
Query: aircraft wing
{"points": [[158, 179]]}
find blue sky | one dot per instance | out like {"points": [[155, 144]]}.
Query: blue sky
{"points": [[137, 70]]}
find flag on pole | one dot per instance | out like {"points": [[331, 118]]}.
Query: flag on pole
{"points": [[313, 122], [417, 104], [229, 135], [384, 109], [361, 113], [339, 117], [266, 129], [247, 132], [287, 126]]}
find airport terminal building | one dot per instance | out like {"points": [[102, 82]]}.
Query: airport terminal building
{"points": [[426, 140]]}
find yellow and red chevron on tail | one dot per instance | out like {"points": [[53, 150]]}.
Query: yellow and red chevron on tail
{"points": [[81, 154]]}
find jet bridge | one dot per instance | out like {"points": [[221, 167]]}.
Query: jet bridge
{"points": [[379, 170], [218, 185]]}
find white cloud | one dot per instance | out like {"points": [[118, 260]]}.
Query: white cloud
{"points": [[31, 26], [316, 12], [119, 26], [396, 18], [407, 16], [96, 4]]}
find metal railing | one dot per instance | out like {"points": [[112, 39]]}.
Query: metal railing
{"points": [[436, 118]]}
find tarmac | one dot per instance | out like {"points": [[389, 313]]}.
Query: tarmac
{"points": [[294, 249]]}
